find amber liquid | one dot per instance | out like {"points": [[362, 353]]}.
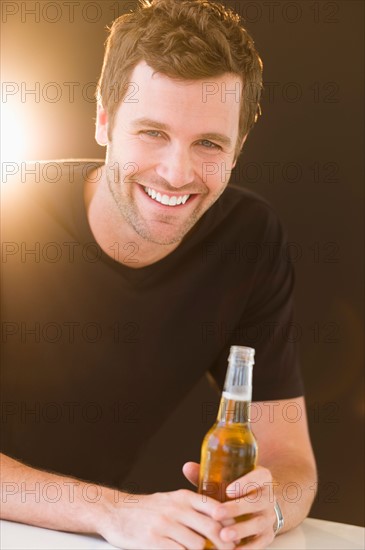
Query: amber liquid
{"points": [[229, 451]]}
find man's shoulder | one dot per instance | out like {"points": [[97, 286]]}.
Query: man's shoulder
{"points": [[241, 195], [246, 209], [44, 179], [30, 189]]}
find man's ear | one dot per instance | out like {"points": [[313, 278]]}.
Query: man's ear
{"points": [[242, 144], [101, 130]]}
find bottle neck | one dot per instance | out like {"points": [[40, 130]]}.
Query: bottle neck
{"points": [[236, 397], [233, 411]]}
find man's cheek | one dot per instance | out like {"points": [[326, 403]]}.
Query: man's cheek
{"points": [[129, 170]]}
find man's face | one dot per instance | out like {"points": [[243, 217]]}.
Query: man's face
{"points": [[172, 151]]}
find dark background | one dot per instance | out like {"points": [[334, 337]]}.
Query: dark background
{"points": [[304, 156]]}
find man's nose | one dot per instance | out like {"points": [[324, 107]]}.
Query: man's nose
{"points": [[176, 166]]}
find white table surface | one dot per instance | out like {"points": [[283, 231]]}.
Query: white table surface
{"points": [[312, 534]]}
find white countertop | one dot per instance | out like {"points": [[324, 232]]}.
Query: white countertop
{"points": [[312, 534]]}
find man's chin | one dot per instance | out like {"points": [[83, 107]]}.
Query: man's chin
{"points": [[161, 231], [162, 239]]}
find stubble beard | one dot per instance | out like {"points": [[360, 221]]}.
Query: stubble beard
{"points": [[129, 210]]}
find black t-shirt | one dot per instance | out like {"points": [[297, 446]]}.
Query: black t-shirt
{"points": [[97, 354]]}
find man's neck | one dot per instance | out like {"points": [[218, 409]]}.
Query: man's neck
{"points": [[111, 231]]}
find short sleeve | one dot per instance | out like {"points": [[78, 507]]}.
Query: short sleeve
{"points": [[267, 321]]}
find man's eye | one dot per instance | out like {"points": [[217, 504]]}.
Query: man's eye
{"points": [[209, 144], [152, 133]]}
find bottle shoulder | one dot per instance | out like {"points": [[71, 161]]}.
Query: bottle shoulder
{"points": [[230, 434]]}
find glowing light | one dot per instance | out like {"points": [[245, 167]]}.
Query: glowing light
{"points": [[13, 134]]}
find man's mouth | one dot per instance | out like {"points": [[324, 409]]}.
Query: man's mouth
{"points": [[167, 200]]}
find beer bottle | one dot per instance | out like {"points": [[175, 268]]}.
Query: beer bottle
{"points": [[229, 449]]}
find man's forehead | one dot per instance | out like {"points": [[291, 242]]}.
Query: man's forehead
{"points": [[225, 88]]}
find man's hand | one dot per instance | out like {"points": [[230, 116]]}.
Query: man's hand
{"points": [[250, 496], [178, 519]]}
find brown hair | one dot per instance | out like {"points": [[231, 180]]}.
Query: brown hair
{"points": [[182, 39]]}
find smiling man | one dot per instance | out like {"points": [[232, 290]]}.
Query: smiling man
{"points": [[156, 168], [126, 281]]}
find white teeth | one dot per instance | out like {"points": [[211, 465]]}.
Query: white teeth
{"points": [[165, 199]]}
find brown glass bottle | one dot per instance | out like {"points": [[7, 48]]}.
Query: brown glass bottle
{"points": [[229, 449]]}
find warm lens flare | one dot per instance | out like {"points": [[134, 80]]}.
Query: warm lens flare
{"points": [[14, 134]]}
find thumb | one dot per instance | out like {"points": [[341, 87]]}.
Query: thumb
{"points": [[191, 472]]}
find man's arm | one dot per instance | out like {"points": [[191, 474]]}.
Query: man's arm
{"points": [[286, 472], [45, 499], [173, 520], [285, 449]]}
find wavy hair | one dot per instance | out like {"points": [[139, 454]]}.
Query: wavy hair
{"points": [[184, 40]]}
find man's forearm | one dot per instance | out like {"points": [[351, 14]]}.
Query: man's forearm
{"points": [[295, 486], [56, 502], [49, 500]]}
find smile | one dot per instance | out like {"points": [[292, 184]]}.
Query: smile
{"points": [[172, 200]]}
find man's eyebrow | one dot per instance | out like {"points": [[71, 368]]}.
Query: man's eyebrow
{"points": [[142, 122], [211, 136]]}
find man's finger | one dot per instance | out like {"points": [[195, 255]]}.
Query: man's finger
{"points": [[191, 472]]}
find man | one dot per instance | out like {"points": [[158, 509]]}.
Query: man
{"points": [[119, 294]]}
